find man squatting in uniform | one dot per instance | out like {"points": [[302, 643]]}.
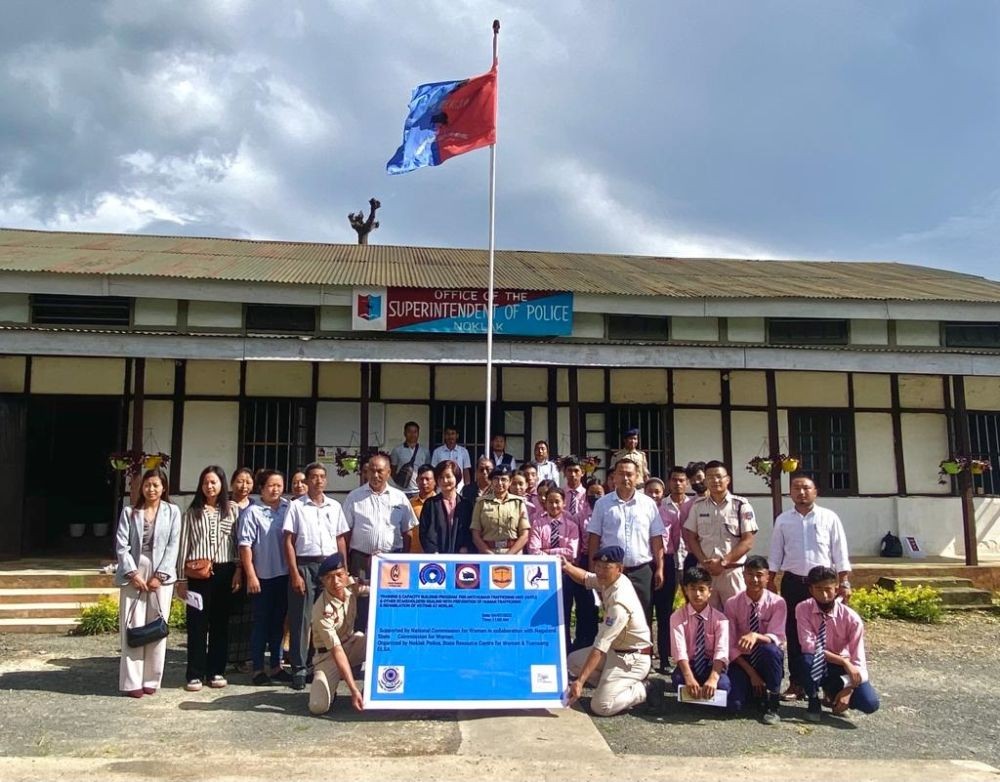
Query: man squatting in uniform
{"points": [[338, 647], [619, 661]]}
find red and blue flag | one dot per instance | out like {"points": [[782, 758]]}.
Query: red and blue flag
{"points": [[446, 119]]}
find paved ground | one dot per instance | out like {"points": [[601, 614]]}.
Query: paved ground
{"points": [[938, 689], [60, 715]]}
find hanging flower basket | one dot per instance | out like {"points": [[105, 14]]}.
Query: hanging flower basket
{"points": [[789, 464], [958, 464], [979, 466], [136, 462], [951, 467]]}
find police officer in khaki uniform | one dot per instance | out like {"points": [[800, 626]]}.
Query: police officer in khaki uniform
{"points": [[719, 531], [619, 661], [630, 441], [500, 520], [338, 647]]}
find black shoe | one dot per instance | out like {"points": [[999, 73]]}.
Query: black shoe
{"points": [[261, 680], [771, 716], [281, 677], [655, 694], [814, 713], [299, 680], [309, 678]]}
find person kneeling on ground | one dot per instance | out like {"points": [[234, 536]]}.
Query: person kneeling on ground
{"points": [[619, 661], [832, 637], [700, 639], [338, 647], [757, 639]]}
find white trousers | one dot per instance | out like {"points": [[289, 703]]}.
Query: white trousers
{"points": [[142, 667], [727, 585], [619, 685]]}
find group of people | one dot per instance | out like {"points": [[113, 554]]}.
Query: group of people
{"points": [[304, 559]]}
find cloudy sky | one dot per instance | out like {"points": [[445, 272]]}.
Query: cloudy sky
{"points": [[744, 128]]}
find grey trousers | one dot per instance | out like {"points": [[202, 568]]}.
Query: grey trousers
{"points": [[300, 615]]}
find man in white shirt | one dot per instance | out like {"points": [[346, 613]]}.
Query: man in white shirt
{"points": [[380, 518], [547, 469], [805, 537], [406, 458], [314, 528], [630, 519], [457, 453]]}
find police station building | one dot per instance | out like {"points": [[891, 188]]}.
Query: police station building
{"points": [[264, 354]]}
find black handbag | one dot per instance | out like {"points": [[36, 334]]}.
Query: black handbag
{"points": [[147, 633]]}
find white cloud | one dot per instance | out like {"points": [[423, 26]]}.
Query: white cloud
{"points": [[589, 199]]}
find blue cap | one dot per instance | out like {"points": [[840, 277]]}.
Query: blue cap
{"points": [[611, 554], [332, 562], [500, 471]]}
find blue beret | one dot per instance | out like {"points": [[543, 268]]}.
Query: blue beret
{"points": [[610, 554], [500, 471], [632, 433], [332, 562]]}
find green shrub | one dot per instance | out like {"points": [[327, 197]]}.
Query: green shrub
{"points": [[178, 615], [915, 604], [102, 617]]}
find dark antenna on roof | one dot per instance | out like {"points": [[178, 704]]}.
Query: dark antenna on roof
{"points": [[363, 226]]}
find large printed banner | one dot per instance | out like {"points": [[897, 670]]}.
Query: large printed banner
{"points": [[450, 631], [462, 311]]}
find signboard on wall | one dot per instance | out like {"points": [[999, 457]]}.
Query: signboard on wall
{"points": [[453, 631], [462, 311]]}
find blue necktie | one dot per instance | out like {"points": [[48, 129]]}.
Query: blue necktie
{"points": [[701, 664], [754, 628], [818, 670]]}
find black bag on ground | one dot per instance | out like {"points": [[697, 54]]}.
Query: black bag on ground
{"points": [[891, 546]]}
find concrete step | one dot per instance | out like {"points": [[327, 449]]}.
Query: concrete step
{"points": [[55, 579], [965, 596], [989, 609], [40, 610], [937, 582], [44, 625], [83, 595]]}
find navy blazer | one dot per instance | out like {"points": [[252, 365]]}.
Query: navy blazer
{"points": [[435, 535], [166, 539]]}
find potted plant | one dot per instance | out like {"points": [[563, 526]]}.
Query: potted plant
{"points": [[789, 464], [979, 466], [76, 530], [100, 529]]}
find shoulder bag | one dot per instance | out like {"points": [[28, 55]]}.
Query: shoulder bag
{"points": [[147, 633]]}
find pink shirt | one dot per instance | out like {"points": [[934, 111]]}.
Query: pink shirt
{"points": [[771, 615], [540, 537], [673, 516], [845, 632], [684, 629]]}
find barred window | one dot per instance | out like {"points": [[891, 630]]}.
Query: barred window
{"points": [[972, 335], [281, 318], [277, 434], [984, 433], [807, 331], [823, 441], [61, 310]]}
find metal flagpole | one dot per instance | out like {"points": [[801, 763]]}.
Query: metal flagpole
{"points": [[489, 294]]}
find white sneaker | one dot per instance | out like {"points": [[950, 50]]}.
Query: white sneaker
{"points": [[193, 686], [217, 682]]}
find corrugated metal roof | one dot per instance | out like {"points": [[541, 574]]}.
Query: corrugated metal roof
{"points": [[304, 263]]}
